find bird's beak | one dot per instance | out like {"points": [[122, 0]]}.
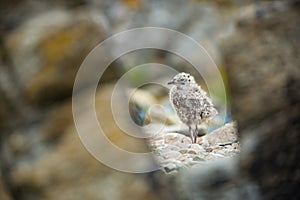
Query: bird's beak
{"points": [[171, 83]]}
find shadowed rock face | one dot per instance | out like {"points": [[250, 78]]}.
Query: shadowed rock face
{"points": [[65, 170], [262, 60], [4, 195]]}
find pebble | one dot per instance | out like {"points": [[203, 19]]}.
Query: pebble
{"points": [[170, 167], [173, 148], [171, 154], [186, 140], [198, 159], [197, 147], [235, 145], [192, 151], [183, 151], [180, 144], [175, 151]]}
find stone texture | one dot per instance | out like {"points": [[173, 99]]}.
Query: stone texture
{"points": [[4, 195], [223, 135], [66, 170], [261, 57], [48, 49], [2, 113], [262, 60], [57, 121], [175, 151], [215, 180], [69, 172]]}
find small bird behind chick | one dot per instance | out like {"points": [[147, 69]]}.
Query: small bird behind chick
{"points": [[191, 103]]}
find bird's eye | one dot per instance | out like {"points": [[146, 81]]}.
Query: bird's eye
{"points": [[188, 76], [189, 80]]}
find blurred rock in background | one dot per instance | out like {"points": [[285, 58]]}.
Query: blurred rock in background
{"points": [[4, 194], [262, 59], [47, 50], [42, 45]]}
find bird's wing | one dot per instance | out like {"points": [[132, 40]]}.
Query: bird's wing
{"points": [[191, 101], [199, 102]]}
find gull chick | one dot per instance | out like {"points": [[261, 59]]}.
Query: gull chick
{"points": [[191, 103]]}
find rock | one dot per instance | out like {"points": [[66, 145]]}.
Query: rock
{"points": [[173, 148], [262, 60], [170, 167], [180, 144], [57, 121], [186, 140], [108, 123], [4, 195], [48, 49], [192, 151], [183, 151], [54, 171], [17, 143], [159, 114], [142, 97], [2, 113], [12, 107], [262, 67], [222, 135], [198, 159], [146, 110], [215, 180], [64, 165], [171, 154], [181, 128], [176, 151], [196, 147], [140, 102], [172, 137]]}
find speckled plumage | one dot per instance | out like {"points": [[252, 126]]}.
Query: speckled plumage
{"points": [[190, 102]]}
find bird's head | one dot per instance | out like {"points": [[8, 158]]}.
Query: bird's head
{"points": [[182, 79]]}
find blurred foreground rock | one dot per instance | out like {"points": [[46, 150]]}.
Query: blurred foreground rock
{"points": [[4, 195], [57, 166], [262, 60]]}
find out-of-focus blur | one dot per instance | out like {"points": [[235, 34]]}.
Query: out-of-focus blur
{"points": [[42, 45]]}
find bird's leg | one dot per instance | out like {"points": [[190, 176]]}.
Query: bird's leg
{"points": [[191, 133], [196, 134]]}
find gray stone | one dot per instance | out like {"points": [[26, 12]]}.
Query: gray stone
{"points": [[170, 167], [170, 154], [222, 135], [198, 159]]}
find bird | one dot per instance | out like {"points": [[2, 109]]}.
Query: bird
{"points": [[191, 103]]}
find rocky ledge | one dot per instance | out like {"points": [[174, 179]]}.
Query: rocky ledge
{"points": [[175, 151]]}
